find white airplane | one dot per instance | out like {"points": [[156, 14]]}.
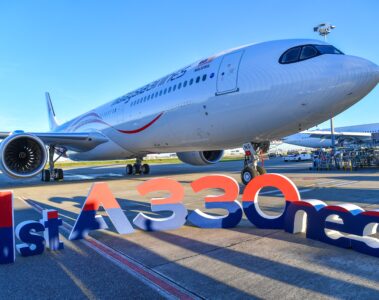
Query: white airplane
{"points": [[254, 93], [357, 134]]}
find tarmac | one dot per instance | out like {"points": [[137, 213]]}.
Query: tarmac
{"points": [[191, 263]]}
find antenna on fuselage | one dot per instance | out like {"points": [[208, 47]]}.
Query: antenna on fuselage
{"points": [[324, 29]]}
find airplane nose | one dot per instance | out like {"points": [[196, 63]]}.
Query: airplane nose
{"points": [[377, 74], [372, 71], [363, 71]]}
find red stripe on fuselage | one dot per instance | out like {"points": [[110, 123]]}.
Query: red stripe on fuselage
{"points": [[143, 127], [119, 130]]}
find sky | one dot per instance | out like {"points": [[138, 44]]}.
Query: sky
{"points": [[88, 52]]}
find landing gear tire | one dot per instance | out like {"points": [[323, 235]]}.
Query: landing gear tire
{"points": [[248, 174], [129, 169], [59, 174], [261, 170], [145, 169], [136, 169], [45, 176]]}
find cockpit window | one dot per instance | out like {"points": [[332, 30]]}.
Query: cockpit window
{"points": [[292, 55], [304, 52], [327, 49], [308, 52]]}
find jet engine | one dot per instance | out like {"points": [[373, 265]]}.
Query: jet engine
{"points": [[22, 155], [201, 158]]}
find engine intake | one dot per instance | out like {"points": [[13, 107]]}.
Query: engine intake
{"points": [[22, 155], [201, 158]]}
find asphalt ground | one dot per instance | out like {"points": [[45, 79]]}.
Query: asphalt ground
{"points": [[242, 262]]}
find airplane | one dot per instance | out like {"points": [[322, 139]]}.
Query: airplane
{"points": [[250, 94], [356, 134]]}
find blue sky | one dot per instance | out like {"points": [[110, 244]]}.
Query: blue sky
{"points": [[88, 52]]}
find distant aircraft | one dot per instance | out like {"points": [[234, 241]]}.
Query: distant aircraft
{"points": [[357, 134], [254, 93]]}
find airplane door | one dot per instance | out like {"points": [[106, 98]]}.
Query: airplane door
{"points": [[227, 77]]}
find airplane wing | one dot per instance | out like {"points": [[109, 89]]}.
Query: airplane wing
{"points": [[340, 136], [76, 141]]}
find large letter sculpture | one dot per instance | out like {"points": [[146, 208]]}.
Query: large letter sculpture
{"points": [[251, 205], [51, 221], [7, 244], [172, 203], [366, 224], [33, 243], [227, 201], [88, 219]]}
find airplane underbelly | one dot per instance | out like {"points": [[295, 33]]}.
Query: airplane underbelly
{"points": [[106, 151]]}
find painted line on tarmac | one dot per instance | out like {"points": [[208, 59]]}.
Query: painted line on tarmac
{"points": [[344, 183], [164, 286], [79, 177], [92, 176], [312, 187], [308, 188]]}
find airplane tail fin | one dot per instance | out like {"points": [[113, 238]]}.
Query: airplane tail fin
{"points": [[50, 113]]}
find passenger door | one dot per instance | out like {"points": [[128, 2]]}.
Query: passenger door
{"points": [[227, 77]]}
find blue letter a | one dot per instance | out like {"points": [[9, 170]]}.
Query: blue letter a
{"points": [[88, 219]]}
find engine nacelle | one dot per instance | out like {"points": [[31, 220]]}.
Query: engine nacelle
{"points": [[22, 155], [201, 158]]}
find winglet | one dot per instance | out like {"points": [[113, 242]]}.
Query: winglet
{"points": [[50, 113]]}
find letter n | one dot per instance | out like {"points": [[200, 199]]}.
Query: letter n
{"points": [[88, 219], [7, 242]]}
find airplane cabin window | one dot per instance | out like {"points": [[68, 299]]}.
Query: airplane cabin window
{"points": [[169, 89], [212, 75], [308, 52], [191, 81], [185, 84], [198, 79], [328, 49], [174, 88], [160, 93], [165, 91], [204, 77], [179, 86], [291, 55]]}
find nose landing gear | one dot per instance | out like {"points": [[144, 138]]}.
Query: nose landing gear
{"points": [[138, 168], [250, 164]]}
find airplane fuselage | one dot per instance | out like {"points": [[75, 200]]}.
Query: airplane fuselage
{"points": [[223, 101], [306, 140]]}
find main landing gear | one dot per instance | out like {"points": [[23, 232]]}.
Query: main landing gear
{"points": [[250, 164], [138, 168], [52, 173]]}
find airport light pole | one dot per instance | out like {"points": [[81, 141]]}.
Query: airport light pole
{"points": [[324, 29]]}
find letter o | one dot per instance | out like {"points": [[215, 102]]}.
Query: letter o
{"points": [[251, 205]]}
